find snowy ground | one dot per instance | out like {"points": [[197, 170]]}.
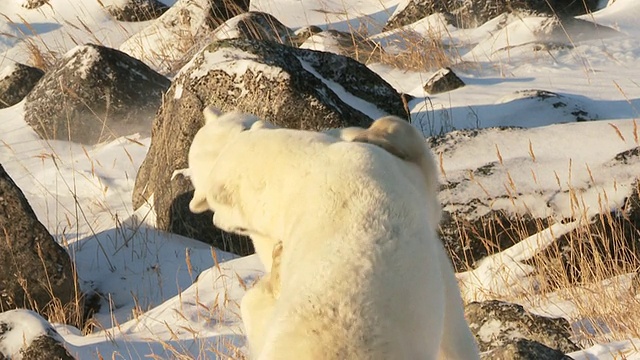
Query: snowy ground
{"points": [[156, 308]]}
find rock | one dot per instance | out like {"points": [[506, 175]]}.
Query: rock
{"points": [[34, 4], [254, 25], [589, 253], [570, 107], [16, 81], [176, 35], [537, 33], [523, 349], [490, 205], [468, 14], [305, 32], [35, 267], [443, 80], [95, 94], [496, 324], [281, 84], [469, 239], [137, 10], [343, 43], [27, 336]]}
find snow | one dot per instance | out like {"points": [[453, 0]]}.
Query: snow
{"points": [[22, 327], [165, 295]]}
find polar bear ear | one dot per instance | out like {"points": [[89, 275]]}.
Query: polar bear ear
{"points": [[211, 113], [260, 124], [198, 204]]}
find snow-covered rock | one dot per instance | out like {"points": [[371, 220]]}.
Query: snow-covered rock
{"points": [[93, 94], [174, 37], [290, 87], [443, 80], [24, 335], [137, 10], [496, 324], [16, 80], [524, 349], [468, 14]]}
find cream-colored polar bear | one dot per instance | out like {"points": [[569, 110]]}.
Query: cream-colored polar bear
{"points": [[362, 274]]}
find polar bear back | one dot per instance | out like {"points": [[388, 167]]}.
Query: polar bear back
{"points": [[356, 267]]}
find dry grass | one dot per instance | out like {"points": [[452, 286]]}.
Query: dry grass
{"points": [[602, 296]]}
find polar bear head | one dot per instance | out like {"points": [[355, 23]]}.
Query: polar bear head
{"points": [[219, 129]]}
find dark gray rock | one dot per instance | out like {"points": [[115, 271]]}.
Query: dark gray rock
{"points": [[137, 10], [443, 80], [35, 268], [46, 347], [468, 14], [496, 324], [278, 83], [22, 324], [16, 81], [95, 94], [522, 349], [470, 239]]}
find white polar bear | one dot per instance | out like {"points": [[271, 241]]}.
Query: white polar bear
{"points": [[362, 274]]}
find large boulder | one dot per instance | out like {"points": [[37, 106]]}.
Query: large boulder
{"points": [[496, 324], [95, 94], [27, 336], [137, 10], [467, 14], [16, 80], [36, 272], [293, 88], [175, 36]]}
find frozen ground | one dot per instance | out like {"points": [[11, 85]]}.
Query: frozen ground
{"points": [[154, 305]]}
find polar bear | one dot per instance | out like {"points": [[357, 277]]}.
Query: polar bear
{"points": [[362, 275]]}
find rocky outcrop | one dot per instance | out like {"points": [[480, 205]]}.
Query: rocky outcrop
{"points": [[36, 271], [175, 36], [137, 10], [468, 14], [95, 94], [497, 324], [16, 81], [443, 80], [500, 197], [290, 87], [27, 336]]}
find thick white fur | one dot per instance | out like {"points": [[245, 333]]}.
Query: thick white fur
{"points": [[218, 129], [362, 274]]}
